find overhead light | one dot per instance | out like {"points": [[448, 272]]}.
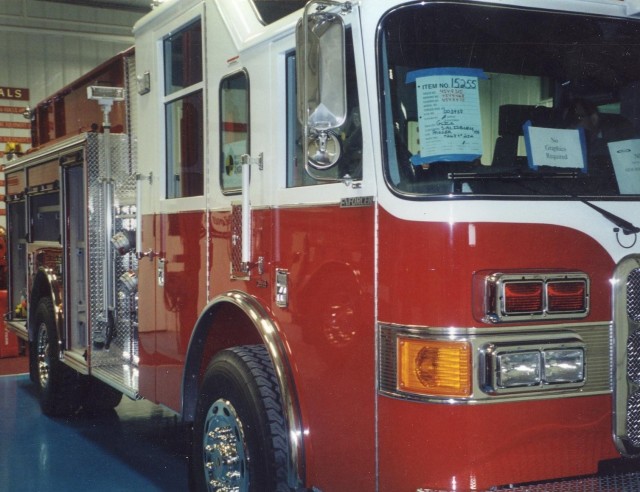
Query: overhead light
{"points": [[105, 96], [97, 92]]}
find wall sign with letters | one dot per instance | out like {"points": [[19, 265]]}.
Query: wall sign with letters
{"points": [[14, 129], [14, 93]]}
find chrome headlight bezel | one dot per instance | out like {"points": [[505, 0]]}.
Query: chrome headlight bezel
{"points": [[502, 375]]}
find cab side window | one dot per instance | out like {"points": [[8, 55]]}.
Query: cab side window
{"points": [[184, 114], [234, 130]]}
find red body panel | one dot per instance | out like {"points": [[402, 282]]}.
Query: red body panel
{"points": [[449, 447], [328, 329], [426, 268], [426, 273], [169, 313]]}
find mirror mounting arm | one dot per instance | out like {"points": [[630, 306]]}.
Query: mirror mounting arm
{"points": [[345, 7]]}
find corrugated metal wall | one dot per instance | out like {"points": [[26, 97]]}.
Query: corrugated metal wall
{"points": [[46, 45]]}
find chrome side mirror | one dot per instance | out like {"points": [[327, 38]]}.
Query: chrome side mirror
{"points": [[321, 82]]}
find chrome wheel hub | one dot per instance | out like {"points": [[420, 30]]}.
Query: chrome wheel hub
{"points": [[42, 348], [224, 450]]}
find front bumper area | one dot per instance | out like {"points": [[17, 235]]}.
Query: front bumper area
{"points": [[628, 481]]}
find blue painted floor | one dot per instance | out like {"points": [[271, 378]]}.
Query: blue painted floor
{"points": [[137, 447]]}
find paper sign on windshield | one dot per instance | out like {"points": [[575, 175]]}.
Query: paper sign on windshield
{"points": [[555, 147], [448, 114], [625, 156]]}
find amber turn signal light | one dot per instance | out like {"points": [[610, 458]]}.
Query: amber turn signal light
{"points": [[434, 367]]}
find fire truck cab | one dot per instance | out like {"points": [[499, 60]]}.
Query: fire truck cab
{"points": [[369, 245]]}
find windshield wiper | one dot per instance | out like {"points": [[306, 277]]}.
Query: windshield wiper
{"points": [[626, 226], [502, 175]]}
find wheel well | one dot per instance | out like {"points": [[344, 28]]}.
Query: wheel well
{"points": [[222, 326], [233, 319], [230, 327]]}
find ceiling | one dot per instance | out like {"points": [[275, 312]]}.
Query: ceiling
{"points": [[141, 6]]}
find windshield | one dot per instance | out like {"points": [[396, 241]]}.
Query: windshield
{"points": [[485, 100]]}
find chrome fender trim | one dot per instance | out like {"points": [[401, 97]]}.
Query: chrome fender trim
{"points": [[267, 330]]}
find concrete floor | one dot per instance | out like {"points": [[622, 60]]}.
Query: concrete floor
{"points": [[138, 447]]}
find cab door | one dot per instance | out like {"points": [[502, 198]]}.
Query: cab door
{"points": [[172, 270]]}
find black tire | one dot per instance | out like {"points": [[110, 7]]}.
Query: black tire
{"points": [[240, 439], [58, 385], [33, 361], [99, 397]]}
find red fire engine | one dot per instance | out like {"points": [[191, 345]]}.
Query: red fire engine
{"points": [[370, 245]]}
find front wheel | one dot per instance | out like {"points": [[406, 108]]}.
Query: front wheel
{"points": [[240, 440]]}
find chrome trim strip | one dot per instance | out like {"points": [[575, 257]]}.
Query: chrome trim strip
{"points": [[48, 153], [19, 328], [594, 337], [105, 377], [77, 361], [283, 206], [623, 326]]}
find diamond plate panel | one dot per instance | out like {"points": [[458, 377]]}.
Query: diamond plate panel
{"points": [[633, 353], [112, 197], [633, 358], [633, 295], [236, 242], [633, 419]]}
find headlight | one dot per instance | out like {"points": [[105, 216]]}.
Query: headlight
{"points": [[563, 366], [534, 366], [518, 369]]}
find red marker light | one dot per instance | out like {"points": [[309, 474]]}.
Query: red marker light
{"points": [[566, 296], [523, 297]]}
